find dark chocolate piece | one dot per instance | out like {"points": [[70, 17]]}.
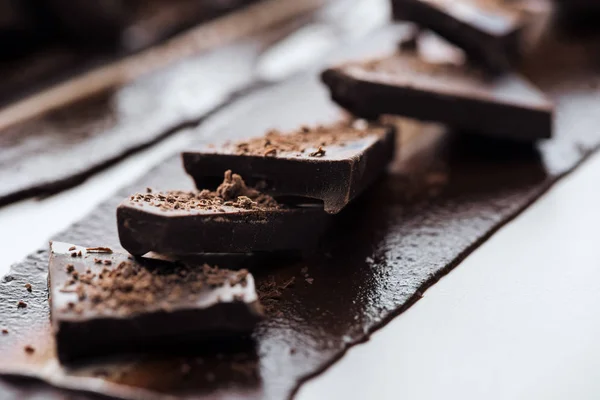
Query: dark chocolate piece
{"points": [[333, 163], [490, 31], [386, 250], [105, 302], [233, 219], [405, 85]]}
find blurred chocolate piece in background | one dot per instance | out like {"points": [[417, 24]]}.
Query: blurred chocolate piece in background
{"points": [[493, 33]]}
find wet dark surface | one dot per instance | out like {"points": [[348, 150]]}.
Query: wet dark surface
{"points": [[51, 46], [61, 149], [418, 222]]}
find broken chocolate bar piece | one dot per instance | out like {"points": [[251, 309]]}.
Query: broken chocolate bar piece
{"points": [[490, 31], [333, 164], [107, 302], [232, 219], [405, 85]]}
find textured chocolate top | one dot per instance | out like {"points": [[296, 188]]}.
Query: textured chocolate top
{"points": [[92, 284], [231, 195], [308, 142]]}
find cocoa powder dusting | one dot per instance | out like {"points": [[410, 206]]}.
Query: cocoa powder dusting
{"points": [[276, 143], [270, 292], [131, 287], [233, 192]]}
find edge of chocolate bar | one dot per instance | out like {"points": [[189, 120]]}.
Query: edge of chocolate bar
{"points": [[145, 229], [370, 94], [228, 310], [497, 48], [335, 178]]}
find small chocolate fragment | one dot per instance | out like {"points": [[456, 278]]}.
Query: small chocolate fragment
{"points": [[463, 98], [490, 31], [232, 219], [145, 304], [333, 163]]}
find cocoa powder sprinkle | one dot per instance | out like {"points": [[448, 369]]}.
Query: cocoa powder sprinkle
{"points": [[276, 143], [131, 287], [233, 192]]}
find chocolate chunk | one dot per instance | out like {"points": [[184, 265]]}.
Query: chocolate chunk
{"points": [[144, 304], [406, 85], [490, 31], [332, 163], [232, 219]]}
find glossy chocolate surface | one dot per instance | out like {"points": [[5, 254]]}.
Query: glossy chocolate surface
{"points": [[169, 307], [387, 248]]}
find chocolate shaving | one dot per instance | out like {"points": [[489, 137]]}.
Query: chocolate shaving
{"points": [[99, 250], [21, 304], [28, 287], [233, 192], [319, 153]]}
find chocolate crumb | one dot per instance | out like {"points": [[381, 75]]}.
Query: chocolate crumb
{"points": [[73, 254], [319, 153], [270, 152], [99, 250], [72, 248], [107, 262], [28, 287], [29, 349], [5, 331], [97, 261], [148, 190], [21, 304], [70, 268], [79, 253]]}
